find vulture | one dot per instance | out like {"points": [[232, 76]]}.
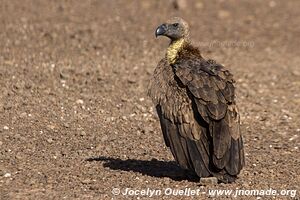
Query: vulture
{"points": [[195, 102]]}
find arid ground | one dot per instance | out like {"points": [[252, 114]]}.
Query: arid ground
{"points": [[75, 118]]}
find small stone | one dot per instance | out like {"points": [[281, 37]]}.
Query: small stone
{"points": [[131, 80], [52, 127], [7, 106], [79, 101], [7, 175], [109, 119], [107, 149], [199, 5], [147, 129], [223, 14], [50, 140], [166, 181], [99, 147], [86, 181], [19, 156], [104, 138], [272, 4], [209, 181], [83, 133], [23, 115], [179, 4], [94, 188], [5, 127], [293, 137], [296, 73], [1, 143], [123, 99]]}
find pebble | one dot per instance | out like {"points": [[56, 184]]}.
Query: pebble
{"points": [[7, 106], [104, 138], [223, 14], [147, 129], [293, 137], [166, 181], [199, 5], [123, 99], [66, 125], [23, 115], [52, 127], [19, 156], [86, 181], [296, 73], [131, 81], [7, 175], [107, 149], [49, 140], [272, 4], [180, 4], [98, 148], [79, 101], [109, 119], [209, 181], [5, 127]]}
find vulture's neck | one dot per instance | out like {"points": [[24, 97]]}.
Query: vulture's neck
{"points": [[182, 48], [174, 48]]}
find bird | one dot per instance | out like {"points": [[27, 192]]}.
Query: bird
{"points": [[196, 105]]}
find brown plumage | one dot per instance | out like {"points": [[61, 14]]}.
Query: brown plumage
{"points": [[195, 102]]}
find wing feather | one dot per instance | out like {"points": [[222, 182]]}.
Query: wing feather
{"points": [[211, 89], [195, 151]]}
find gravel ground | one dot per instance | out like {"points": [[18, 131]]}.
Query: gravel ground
{"points": [[75, 118]]}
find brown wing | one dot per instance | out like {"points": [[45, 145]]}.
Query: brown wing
{"points": [[185, 149], [211, 89], [177, 121]]}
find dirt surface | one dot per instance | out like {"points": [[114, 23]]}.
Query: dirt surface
{"points": [[75, 119]]}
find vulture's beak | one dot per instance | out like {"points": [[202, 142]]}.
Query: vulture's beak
{"points": [[161, 30]]}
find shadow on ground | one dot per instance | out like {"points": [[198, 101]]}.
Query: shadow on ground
{"points": [[154, 168]]}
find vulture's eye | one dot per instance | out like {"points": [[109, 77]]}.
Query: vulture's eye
{"points": [[176, 25]]}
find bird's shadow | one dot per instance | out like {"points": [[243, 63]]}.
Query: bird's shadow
{"points": [[154, 168]]}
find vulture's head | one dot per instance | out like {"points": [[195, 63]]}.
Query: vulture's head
{"points": [[174, 29]]}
